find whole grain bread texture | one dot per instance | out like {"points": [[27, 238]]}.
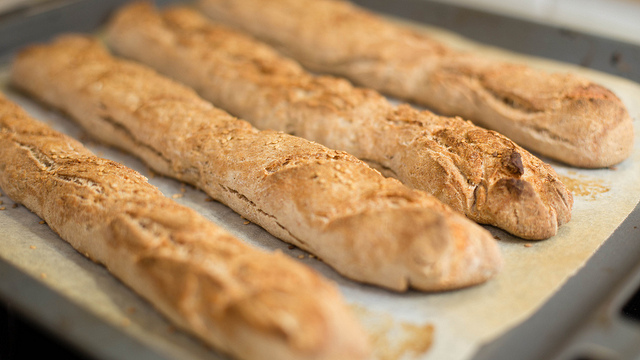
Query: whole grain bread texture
{"points": [[475, 171], [246, 302], [559, 115], [367, 227]]}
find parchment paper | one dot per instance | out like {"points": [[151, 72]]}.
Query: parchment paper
{"points": [[413, 325]]}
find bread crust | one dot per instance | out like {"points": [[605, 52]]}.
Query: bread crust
{"points": [[243, 301], [324, 201], [562, 116], [475, 171]]}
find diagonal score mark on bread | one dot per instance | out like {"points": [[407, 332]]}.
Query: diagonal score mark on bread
{"points": [[469, 168], [365, 226], [240, 300]]}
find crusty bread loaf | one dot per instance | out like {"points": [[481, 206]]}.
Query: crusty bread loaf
{"points": [[367, 227], [475, 171], [561, 116], [246, 302]]}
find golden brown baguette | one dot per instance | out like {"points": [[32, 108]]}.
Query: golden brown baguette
{"points": [[562, 116], [367, 227], [248, 303], [475, 171]]}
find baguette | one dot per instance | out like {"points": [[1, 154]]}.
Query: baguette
{"points": [[367, 227], [562, 116], [475, 171], [248, 303]]}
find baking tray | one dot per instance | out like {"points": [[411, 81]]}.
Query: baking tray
{"points": [[133, 331]]}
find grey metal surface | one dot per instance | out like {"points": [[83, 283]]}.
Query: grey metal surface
{"points": [[550, 331], [71, 323], [46, 19], [608, 334]]}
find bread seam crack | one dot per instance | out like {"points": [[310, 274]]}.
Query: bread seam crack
{"points": [[46, 163], [550, 135], [82, 182], [299, 160], [246, 200], [290, 234], [124, 131], [510, 101]]}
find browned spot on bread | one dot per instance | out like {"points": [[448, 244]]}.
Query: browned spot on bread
{"points": [[514, 186], [513, 163]]}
